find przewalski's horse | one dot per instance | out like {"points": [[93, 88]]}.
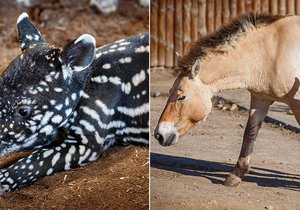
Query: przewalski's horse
{"points": [[95, 97], [260, 53]]}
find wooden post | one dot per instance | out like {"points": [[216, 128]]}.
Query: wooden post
{"points": [[248, 5], [274, 7], [297, 7], [186, 25], [233, 9], [218, 14], [194, 26], [256, 5], [153, 32], [202, 18], [265, 6], [161, 32], [210, 16], [290, 7], [225, 12], [241, 7], [282, 7], [169, 34], [178, 28]]}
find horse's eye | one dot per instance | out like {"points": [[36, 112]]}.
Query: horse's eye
{"points": [[24, 111], [181, 98]]}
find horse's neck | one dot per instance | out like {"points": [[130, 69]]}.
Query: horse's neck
{"points": [[234, 69]]}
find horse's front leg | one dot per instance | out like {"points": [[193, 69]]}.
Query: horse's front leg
{"points": [[258, 111]]}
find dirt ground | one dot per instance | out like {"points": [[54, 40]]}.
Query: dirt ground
{"points": [[119, 180], [189, 175]]}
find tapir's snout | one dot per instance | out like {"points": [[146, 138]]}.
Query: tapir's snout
{"points": [[166, 133]]}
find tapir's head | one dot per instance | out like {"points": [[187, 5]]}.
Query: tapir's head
{"points": [[41, 87]]}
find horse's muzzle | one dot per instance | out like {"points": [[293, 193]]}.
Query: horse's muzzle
{"points": [[166, 134]]}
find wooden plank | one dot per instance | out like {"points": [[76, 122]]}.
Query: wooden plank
{"points": [[161, 32], [241, 7], [225, 12], [218, 14], [178, 28], [274, 7], [202, 18], [256, 5], [153, 32], [248, 5], [210, 16], [170, 34], [233, 9], [265, 6], [195, 16], [297, 7], [282, 7], [186, 25], [290, 7]]}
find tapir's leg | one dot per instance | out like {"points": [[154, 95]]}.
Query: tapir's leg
{"points": [[258, 111]]}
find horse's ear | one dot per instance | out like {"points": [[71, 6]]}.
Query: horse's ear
{"points": [[195, 69], [29, 35], [178, 56]]}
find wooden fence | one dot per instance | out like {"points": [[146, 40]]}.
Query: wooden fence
{"points": [[174, 24]]}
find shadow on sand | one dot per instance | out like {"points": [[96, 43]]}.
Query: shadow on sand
{"points": [[216, 172]]}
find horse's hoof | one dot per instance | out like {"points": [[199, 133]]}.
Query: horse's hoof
{"points": [[232, 180]]}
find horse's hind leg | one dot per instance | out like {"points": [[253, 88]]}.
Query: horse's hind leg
{"points": [[295, 107], [258, 111]]}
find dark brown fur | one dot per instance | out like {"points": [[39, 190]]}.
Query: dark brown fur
{"points": [[223, 35]]}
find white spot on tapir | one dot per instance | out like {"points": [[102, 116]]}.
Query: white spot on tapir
{"points": [[50, 171], [126, 88], [29, 37], [57, 89], [104, 108], [57, 119], [125, 60], [139, 78], [48, 129], [124, 43], [106, 66], [141, 49], [46, 154], [68, 111], [73, 96], [89, 127], [115, 80], [59, 107], [99, 79], [55, 158], [36, 37], [121, 48], [133, 112], [68, 157], [46, 118]]}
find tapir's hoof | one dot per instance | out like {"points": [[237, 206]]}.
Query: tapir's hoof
{"points": [[232, 180]]}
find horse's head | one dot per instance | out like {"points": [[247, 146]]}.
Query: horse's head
{"points": [[189, 102]]}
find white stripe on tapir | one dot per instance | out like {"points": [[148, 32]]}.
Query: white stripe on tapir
{"points": [[133, 112]]}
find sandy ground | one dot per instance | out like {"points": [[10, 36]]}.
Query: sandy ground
{"points": [[189, 175], [119, 180]]}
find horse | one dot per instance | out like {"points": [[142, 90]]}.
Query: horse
{"points": [[257, 52]]}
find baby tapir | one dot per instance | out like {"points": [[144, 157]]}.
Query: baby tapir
{"points": [[96, 97]]}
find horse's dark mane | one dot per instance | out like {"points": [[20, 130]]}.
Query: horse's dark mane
{"points": [[224, 35]]}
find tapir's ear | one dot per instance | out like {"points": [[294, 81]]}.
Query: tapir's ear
{"points": [[28, 33], [195, 69], [79, 54]]}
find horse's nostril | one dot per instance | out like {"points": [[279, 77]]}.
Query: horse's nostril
{"points": [[160, 138]]}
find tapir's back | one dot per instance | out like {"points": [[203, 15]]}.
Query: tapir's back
{"points": [[115, 102]]}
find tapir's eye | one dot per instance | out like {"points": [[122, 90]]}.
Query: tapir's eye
{"points": [[24, 111], [181, 98]]}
